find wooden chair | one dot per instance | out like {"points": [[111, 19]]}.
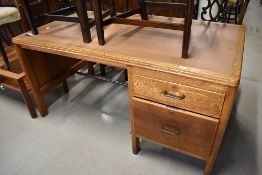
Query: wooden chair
{"points": [[62, 15], [15, 79], [11, 73], [144, 22]]}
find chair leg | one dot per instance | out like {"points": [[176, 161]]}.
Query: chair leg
{"points": [[5, 35], [187, 31], [102, 69], [65, 86], [126, 75], [229, 15], [99, 21], [10, 30], [18, 28], [29, 16], [90, 68], [27, 99], [242, 12], [236, 14], [127, 5], [83, 20], [113, 13], [144, 15], [2, 50]]}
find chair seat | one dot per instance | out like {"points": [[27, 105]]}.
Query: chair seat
{"points": [[9, 15]]}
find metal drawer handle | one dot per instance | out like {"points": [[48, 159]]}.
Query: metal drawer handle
{"points": [[165, 93], [174, 132]]}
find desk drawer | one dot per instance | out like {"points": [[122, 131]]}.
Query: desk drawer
{"points": [[180, 96], [187, 132]]}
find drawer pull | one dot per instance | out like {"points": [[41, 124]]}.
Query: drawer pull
{"points": [[165, 93], [170, 130]]}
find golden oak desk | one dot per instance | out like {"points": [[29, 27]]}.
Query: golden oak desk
{"points": [[182, 104]]}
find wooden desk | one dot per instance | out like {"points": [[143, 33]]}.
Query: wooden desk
{"points": [[182, 104]]}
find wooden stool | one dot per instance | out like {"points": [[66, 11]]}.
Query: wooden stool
{"points": [[144, 22]]}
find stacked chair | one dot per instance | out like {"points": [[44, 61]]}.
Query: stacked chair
{"points": [[122, 18], [104, 17], [62, 15]]}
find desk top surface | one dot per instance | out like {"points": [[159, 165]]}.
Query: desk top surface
{"points": [[215, 52]]}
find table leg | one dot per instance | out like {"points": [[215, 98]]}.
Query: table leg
{"points": [[32, 81], [135, 140], [65, 86], [229, 101]]}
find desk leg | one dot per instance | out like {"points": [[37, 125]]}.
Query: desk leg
{"points": [[135, 140], [90, 68], [65, 86], [32, 80], [229, 101]]}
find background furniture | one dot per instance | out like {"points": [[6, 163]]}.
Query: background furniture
{"points": [[181, 104], [125, 5], [227, 11], [37, 7]]}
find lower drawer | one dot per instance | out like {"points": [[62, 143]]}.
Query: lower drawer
{"points": [[184, 131]]}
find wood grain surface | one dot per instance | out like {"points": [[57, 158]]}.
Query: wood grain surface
{"points": [[215, 49], [188, 132], [195, 100]]}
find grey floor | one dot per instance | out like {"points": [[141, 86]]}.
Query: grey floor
{"points": [[88, 130]]}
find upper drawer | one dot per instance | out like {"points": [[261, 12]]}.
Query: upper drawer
{"points": [[181, 96]]}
